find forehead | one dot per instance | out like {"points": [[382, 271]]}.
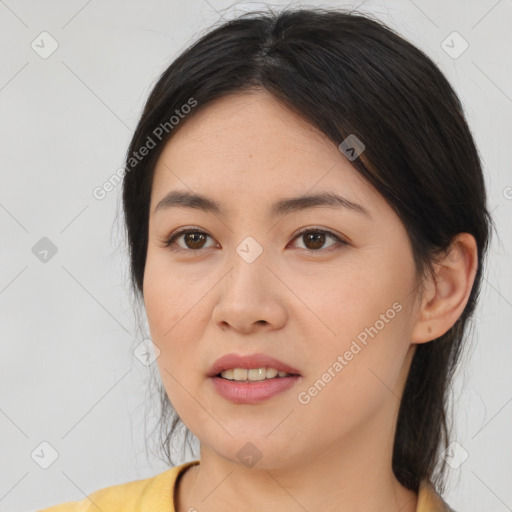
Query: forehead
{"points": [[247, 125], [251, 147]]}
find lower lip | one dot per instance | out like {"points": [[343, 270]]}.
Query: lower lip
{"points": [[253, 392]]}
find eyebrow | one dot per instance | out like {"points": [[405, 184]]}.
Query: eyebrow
{"points": [[185, 199]]}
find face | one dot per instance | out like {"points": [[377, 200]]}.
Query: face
{"points": [[337, 302]]}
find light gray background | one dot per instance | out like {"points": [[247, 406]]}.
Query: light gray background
{"points": [[68, 375]]}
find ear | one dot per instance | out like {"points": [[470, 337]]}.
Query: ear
{"points": [[446, 294]]}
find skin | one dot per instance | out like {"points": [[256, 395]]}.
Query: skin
{"points": [[303, 307]]}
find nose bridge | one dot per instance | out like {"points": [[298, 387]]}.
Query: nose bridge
{"points": [[252, 249], [250, 242], [249, 264]]}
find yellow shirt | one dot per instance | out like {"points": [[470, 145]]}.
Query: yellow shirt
{"points": [[156, 494]]}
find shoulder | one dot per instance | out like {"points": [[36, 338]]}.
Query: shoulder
{"points": [[429, 500], [154, 493]]}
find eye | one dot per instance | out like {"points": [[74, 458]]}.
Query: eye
{"points": [[315, 238], [194, 239], [191, 236]]}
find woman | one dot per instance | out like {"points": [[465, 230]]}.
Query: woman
{"points": [[307, 223]]}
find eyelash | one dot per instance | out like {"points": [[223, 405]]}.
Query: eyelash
{"points": [[170, 240]]}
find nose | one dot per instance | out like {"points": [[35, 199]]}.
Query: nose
{"points": [[250, 297]]}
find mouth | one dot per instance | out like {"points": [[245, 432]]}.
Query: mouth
{"points": [[253, 374], [252, 367], [251, 379]]}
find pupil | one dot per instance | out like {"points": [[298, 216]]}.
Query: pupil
{"points": [[318, 239], [194, 236]]}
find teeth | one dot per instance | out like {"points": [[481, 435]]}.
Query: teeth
{"points": [[254, 374]]}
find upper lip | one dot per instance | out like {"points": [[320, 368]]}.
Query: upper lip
{"points": [[232, 360]]}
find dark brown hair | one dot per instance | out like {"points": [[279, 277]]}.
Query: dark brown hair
{"points": [[345, 73]]}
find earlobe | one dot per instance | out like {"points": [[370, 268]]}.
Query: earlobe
{"points": [[447, 293]]}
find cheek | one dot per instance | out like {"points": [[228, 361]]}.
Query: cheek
{"points": [[367, 312], [165, 292], [348, 300], [166, 313], [353, 381], [161, 310], [176, 315], [165, 306]]}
